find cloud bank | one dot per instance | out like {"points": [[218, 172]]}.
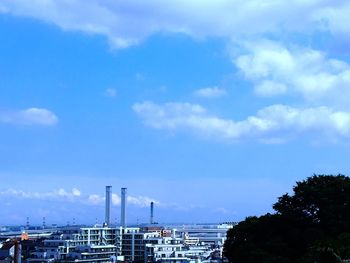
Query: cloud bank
{"points": [[75, 195], [273, 122], [125, 23], [276, 70], [60, 194], [139, 201]]}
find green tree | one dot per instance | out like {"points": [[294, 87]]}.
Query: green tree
{"points": [[312, 225]]}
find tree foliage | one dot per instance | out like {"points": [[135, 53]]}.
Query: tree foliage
{"points": [[311, 225]]}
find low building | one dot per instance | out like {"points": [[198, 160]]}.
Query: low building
{"points": [[80, 244], [92, 254], [165, 252], [186, 244], [133, 243]]}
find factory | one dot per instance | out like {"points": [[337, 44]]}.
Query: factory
{"points": [[117, 243]]}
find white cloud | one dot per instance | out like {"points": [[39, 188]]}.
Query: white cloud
{"points": [[31, 116], [212, 92], [127, 22], [116, 199], [75, 195], [76, 192], [270, 124], [95, 199], [334, 17], [276, 70], [140, 201], [60, 194], [269, 88], [111, 92]]}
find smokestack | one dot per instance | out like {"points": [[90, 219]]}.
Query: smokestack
{"points": [[108, 205], [152, 215], [27, 225], [123, 208]]}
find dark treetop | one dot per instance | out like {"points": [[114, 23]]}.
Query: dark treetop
{"points": [[311, 225]]}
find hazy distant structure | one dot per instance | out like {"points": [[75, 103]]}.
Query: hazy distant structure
{"points": [[44, 222], [152, 213], [108, 205], [27, 224], [123, 207]]}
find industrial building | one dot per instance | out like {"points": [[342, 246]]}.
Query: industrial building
{"points": [[107, 243]]}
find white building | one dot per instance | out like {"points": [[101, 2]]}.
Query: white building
{"points": [[87, 244], [133, 243]]}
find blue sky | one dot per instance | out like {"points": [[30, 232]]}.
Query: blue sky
{"points": [[212, 109]]}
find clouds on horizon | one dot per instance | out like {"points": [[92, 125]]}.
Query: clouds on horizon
{"points": [[75, 195], [140, 201], [60, 194], [235, 193]]}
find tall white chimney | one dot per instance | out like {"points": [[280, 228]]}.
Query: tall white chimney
{"points": [[108, 205], [123, 207]]}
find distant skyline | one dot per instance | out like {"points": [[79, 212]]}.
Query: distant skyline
{"points": [[211, 109]]}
